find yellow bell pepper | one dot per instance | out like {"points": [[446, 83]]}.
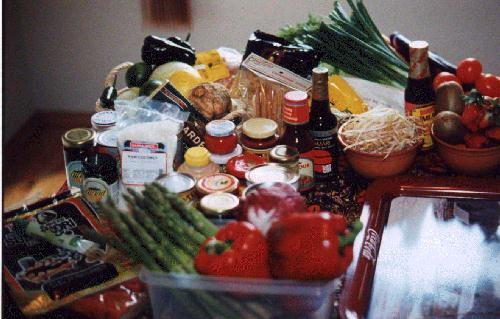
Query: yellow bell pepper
{"points": [[343, 97]]}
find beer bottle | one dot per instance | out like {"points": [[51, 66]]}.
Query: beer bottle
{"points": [[323, 124], [419, 94], [296, 119]]}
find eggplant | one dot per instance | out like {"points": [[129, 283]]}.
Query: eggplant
{"points": [[157, 51], [436, 63]]}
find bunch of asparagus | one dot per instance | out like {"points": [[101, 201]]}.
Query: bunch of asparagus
{"points": [[163, 232]]}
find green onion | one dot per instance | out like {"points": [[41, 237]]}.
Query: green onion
{"points": [[351, 44]]}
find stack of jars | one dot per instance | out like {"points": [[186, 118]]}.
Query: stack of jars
{"points": [[221, 141]]}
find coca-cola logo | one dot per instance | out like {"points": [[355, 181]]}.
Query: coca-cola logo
{"points": [[370, 246]]}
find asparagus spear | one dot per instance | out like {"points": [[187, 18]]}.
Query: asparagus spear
{"points": [[191, 214], [128, 244], [182, 257], [181, 232]]}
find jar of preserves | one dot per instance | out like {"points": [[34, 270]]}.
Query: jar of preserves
{"points": [[220, 137], [100, 178], [239, 165], [218, 182], [219, 206], [259, 136], [287, 156], [103, 120], [77, 143]]}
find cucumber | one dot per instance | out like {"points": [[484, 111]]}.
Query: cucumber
{"points": [[138, 74], [148, 88]]}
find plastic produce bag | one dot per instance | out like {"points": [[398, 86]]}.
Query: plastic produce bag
{"points": [[148, 137]]}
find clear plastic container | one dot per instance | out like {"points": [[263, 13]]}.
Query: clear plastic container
{"points": [[181, 296], [197, 163]]}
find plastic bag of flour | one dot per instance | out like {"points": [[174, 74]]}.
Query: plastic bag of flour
{"points": [[148, 136]]}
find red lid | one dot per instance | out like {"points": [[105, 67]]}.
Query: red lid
{"points": [[239, 165]]}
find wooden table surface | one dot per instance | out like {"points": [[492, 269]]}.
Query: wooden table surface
{"points": [[33, 163]]}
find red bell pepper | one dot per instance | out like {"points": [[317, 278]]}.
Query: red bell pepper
{"points": [[237, 250], [311, 246]]}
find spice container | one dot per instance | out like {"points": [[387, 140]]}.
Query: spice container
{"points": [[220, 137], [218, 182], [219, 205], [100, 178], [179, 183], [272, 172], [286, 156], [197, 163], [259, 136], [76, 144], [107, 143], [103, 120]]}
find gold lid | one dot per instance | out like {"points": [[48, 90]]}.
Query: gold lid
{"points": [[259, 128], [78, 137], [284, 154], [219, 203]]}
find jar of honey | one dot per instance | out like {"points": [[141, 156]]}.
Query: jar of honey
{"points": [[259, 136]]}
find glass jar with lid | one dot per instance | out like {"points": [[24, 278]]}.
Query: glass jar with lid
{"points": [[77, 143], [259, 136], [220, 137], [286, 156]]}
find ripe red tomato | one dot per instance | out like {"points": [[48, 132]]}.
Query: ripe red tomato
{"points": [[489, 85], [469, 70], [443, 77]]}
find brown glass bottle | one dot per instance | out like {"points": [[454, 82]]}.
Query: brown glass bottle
{"points": [[297, 134], [419, 94], [322, 123]]}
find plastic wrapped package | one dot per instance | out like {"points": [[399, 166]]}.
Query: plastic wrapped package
{"points": [[55, 253], [232, 58], [261, 86], [147, 139]]}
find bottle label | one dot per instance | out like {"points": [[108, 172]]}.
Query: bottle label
{"points": [[96, 190], [142, 162], [306, 172], [295, 114], [74, 174], [324, 140], [425, 113]]}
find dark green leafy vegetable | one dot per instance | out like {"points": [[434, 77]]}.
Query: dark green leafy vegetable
{"points": [[351, 44]]}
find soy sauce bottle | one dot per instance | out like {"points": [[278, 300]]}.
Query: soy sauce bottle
{"points": [[323, 125]]}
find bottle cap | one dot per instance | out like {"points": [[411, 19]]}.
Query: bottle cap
{"points": [[220, 128], [197, 156], [296, 98], [78, 137], [218, 182], [259, 128]]}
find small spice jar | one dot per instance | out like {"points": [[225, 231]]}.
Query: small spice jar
{"points": [[259, 136], [218, 182], [220, 137], [77, 143], [286, 156], [100, 178], [219, 205], [103, 120]]}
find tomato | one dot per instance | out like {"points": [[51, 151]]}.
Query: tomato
{"points": [[443, 77], [469, 70], [489, 85]]}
